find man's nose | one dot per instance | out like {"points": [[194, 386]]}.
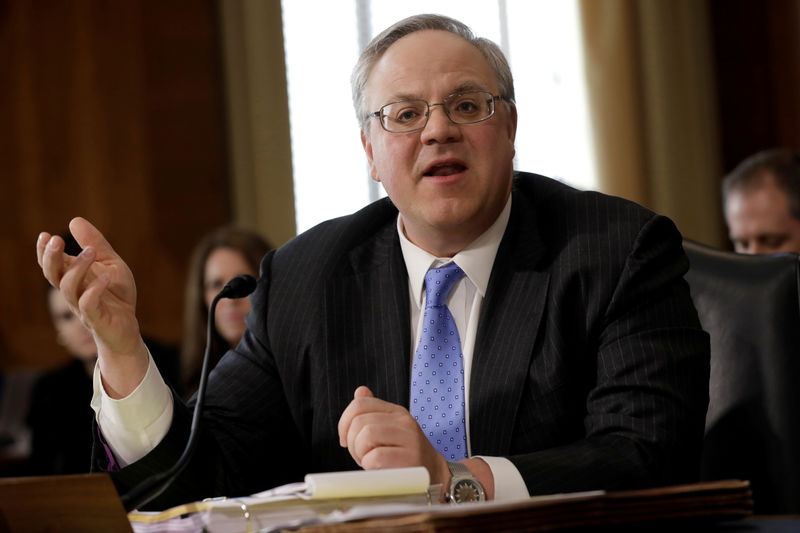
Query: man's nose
{"points": [[439, 127]]}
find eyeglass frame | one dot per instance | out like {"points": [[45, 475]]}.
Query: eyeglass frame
{"points": [[377, 114]]}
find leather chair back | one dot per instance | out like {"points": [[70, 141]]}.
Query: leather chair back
{"points": [[750, 306]]}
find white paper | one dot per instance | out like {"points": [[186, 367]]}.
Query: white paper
{"points": [[289, 506], [354, 484], [366, 483]]}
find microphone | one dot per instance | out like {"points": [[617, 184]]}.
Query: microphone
{"points": [[238, 287], [150, 488]]}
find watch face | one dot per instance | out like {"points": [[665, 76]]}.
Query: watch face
{"points": [[466, 490]]}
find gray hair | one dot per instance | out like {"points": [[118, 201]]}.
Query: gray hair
{"points": [[784, 166], [378, 46]]}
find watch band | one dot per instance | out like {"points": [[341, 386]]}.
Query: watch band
{"points": [[459, 469], [464, 487]]}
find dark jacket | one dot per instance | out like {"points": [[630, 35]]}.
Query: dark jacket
{"points": [[590, 368]]}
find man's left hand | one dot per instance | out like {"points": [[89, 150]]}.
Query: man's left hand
{"points": [[380, 434]]}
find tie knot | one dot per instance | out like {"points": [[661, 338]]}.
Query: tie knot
{"points": [[439, 281]]}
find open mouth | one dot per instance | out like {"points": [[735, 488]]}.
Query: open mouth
{"points": [[445, 169]]}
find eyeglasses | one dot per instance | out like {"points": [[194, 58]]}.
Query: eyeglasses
{"points": [[406, 116]]}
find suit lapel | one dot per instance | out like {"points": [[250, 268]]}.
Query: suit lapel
{"points": [[507, 331], [368, 320]]}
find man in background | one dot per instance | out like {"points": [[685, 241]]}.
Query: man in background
{"points": [[761, 199]]}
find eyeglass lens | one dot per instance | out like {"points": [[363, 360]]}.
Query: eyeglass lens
{"points": [[462, 108]]}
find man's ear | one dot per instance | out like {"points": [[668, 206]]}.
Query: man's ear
{"points": [[367, 144], [512, 122], [512, 127]]}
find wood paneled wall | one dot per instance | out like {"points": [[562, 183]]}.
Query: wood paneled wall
{"points": [[757, 56], [112, 111]]}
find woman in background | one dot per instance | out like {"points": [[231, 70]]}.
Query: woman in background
{"points": [[220, 256], [60, 417]]}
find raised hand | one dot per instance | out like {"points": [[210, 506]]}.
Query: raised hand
{"points": [[101, 291]]}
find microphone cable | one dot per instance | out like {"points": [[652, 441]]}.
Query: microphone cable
{"points": [[153, 486]]}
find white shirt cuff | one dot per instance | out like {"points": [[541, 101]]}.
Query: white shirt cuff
{"points": [[134, 425], [508, 482]]}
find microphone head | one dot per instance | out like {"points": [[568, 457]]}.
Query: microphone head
{"points": [[239, 287]]}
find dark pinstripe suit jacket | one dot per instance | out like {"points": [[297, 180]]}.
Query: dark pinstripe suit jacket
{"points": [[590, 368]]}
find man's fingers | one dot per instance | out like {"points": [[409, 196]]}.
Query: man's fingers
{"points": [[361, 405], [363, 426], [89, 302], [74, 281], [53, 260], [363, 392], [388, 457], [41, 243], [376, 430], [87, 235], [377, 434]]}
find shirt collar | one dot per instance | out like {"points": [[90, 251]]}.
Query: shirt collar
{"points": [[476, 259]]}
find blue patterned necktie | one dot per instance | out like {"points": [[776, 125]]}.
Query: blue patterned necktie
{"points": [[437, 376]]}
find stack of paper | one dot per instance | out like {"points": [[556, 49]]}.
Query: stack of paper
{"points": [[400, 501], [399, 490]]}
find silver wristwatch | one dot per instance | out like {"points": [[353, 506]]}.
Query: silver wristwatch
{"points": [[464, 487]]}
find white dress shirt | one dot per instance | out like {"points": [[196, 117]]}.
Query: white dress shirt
{"points": [[134, 425]]}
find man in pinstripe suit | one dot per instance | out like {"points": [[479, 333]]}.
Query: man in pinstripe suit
{"points": [[585, 363]]}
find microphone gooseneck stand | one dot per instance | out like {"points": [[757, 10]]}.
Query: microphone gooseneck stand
{"points": [[152, 487]]}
